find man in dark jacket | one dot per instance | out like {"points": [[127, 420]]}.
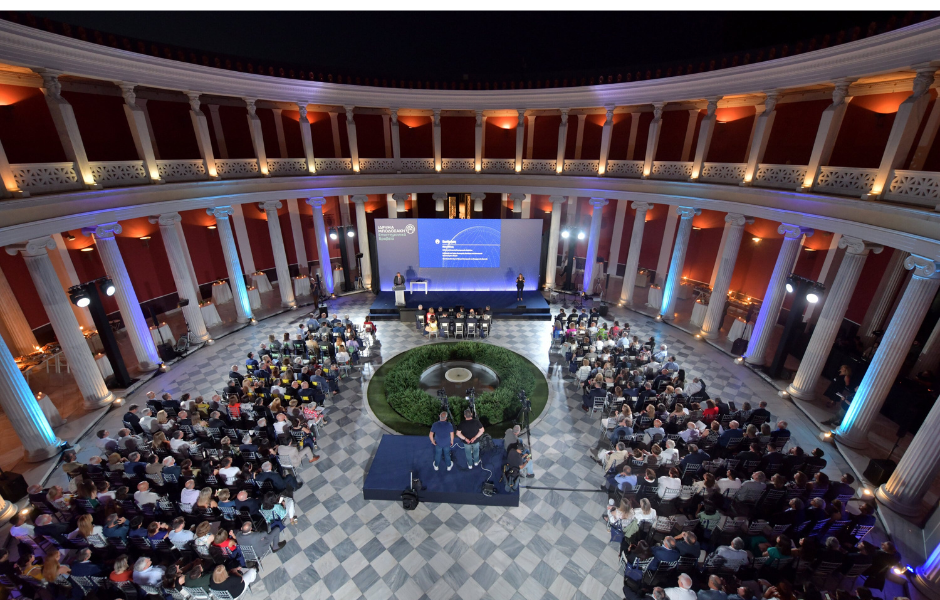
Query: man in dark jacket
{"points": [[279, 482], [258, 541], [131, 418]]}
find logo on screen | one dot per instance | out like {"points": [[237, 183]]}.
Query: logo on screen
{"points": [[409, 228]]}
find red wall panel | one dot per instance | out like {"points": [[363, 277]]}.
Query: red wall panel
{"points": [[272, 149], [369, 136], [653, 235], [27, 132], [732, 131], [458, 137], [103, 125], [545, 141], [864, 133], [173, 131], [874, 268], [237, 135], [756, 260], [794, 132], [295, 144], [672, 135], [416, 137], [619, 137], [260, 239], [205, 247], [500, 137], [321, 130], [591, 141]]}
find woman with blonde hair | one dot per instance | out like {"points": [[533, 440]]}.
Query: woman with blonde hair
{"points": [[160, 443], [122, 571], [87, 529], [115, 462], [205, 499], [164, 420], [646, 512], [52, 570], [204, 535], [233, 583]]}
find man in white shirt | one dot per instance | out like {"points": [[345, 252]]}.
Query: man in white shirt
{"points": [[178, 442], [730, 482], [754, 486], [143, 495], [661, 357], [694, 387], [670, 455], [145, 573], [147, 420], [20, 526], [228, 472], [690, 434], [104, 437], [189, 494], [734, 555], [179, 535], [684, 591], [669, 486], [280, 423]]}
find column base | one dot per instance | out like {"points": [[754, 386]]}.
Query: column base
{"points": [[243, 320], [7, 511], [667, 317], [148, 366], [44, 453], [800, 394], [851, 442], [202, 339], [93, 404], [756, 362], [710, 335], [908, 510], [927, 587]]}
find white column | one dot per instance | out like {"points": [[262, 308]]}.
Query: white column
{"points": [[527, 206], [631, 141], [520, 138], [763, 123], [297, 232], [824, 275], [241, 234], [323, 246], [918, 468], [189, 259], [882, 301], [478, 141], [734, 231], [903, 131], [21, 338], [927, 579], [57, 305], [519, 204], [399, 200], [20, 406], [334, 126], [436, 130], [257, 136], [236, 278], [890, 355], [391, 205], [65, 270], [926, 139], [826, 134], [689, 134], [63, 117], [665, 249], [562, 142], [652, 142], [284, 283], [362, 229], [674, 277], [306, 136], [705, 132], [217, 128], [579, 136], [633, 255], [530, 137], [613, 255], [279, 130], [605, 140], [551, 260], [137, 121], [142, 103], [721, 251], [776, 290], [351, 134], [346, 219], [134, 322], [929, 358], [590, 259], [830, 318], [387, 134], [184, 284], [396, 140], [203, 140]]}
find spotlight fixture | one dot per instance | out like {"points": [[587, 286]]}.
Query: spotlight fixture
{"points": [[812, 298], [789, 288], [79, 297], [144, 238], [739, 360], [88, 249], [333, 234], [565, 234], [580, 235], [107, 286], [70, 237], [756, 240], [211, 227], [350, 233]]}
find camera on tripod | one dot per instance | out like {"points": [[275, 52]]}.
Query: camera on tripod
{"points": [[524, 400], [442, 396], [471, 399]]}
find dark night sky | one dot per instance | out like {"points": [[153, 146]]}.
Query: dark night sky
{"points": [[447, 45]]}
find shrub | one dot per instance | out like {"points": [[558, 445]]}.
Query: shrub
{"points": [[405, 396]]}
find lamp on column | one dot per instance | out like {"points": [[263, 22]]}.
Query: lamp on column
{"points": [[333, 234], [87, 295], [805, 291]]}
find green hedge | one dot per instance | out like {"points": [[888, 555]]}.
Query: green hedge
{"points": [[404, 394]]}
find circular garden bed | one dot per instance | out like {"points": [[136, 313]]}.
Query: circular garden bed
{"points": [[396, 398]]}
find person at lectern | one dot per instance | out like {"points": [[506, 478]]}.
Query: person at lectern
{"points": [[520, 283], [398, 284]]}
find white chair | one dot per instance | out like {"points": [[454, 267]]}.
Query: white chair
{"points": [[458, 330]]}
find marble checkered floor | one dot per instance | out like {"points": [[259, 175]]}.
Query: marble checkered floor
{"points": [[553, 545]]}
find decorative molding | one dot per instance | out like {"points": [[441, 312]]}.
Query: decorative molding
{"points": [[641, 206], [221, 212], [557, 200], [360, 198], [598, 202], [105, 230], [737, 219], [194, 103], [270, 205], [34, 247], [687, 212], [317, 202], [855, 245], [794, 231], [922, 267], [787, 177]]}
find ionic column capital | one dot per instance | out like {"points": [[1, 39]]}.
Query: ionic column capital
{"points": [[598, 202], [127, 91], [473, 196], [194, 100], [221, 212], [556, 200], [517, 197], [250, 104], [349, 114], [399, 197], [360, 198], [924, 268], [687, 212], [166, 219], [658, 110], [50, 82], [712, 106], [564, 116], [737, 219], [317, 203], [924, 79], [270, 205], [478, 115], [854, 245], [33, 247], [793, 232], [608, 115], [439, 196], [105, 230]]}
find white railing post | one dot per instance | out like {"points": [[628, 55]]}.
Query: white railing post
{"points": [[436, 124], [257, 138], [605, 141], [306, 137], [478, 141], [396, 141], [351, 134], [562, 141], [652, 142], [203, 140], [520, 139]]}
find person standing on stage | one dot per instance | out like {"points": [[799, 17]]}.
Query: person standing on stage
{"points": [[470, 431], [398, 285], [442, 436], [520, 283]]}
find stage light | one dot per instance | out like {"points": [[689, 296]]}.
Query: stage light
{"points": [[756, 240], [812, 298], [897, 571], [333, 234], [866, 492], [107, 286], [211, 227], [789, 288], [351, 233], [79, 297], [88, 249], [478, 205], [565, 234], [580, 235], [144, 238]]}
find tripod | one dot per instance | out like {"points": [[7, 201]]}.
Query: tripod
{"points": [[471, 398], [445, 405], [522, 418]]}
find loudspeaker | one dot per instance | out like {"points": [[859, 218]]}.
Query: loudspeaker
{"points": [[166, 352], [602, 310], [407, 315], [739, 347], [879, 470], [12, 486]]}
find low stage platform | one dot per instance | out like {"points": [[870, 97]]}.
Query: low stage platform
{"points": [[533, 307], [399, 455]]}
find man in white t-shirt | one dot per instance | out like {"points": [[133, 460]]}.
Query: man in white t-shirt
{"points": [[684, 591], [227, 471]]}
